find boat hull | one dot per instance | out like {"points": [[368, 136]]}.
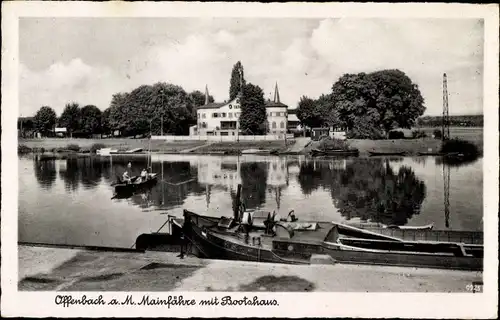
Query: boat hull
{"points": [[373, 153], [212, 243], [335, 153], [133, 187]]}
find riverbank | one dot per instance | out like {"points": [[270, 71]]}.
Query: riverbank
{"points": [[410, 146], [52, 268]]}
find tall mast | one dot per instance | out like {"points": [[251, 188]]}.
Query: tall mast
{"points": [[445, 130]]}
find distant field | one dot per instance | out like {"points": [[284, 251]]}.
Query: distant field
{"points": [[473, 134]]}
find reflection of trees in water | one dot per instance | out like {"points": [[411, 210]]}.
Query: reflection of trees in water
{"points": [[456, 161], [253, 183], [86, 171], [45, 173], [369, 189], [91, 171], [311, 176], [70, 174]]}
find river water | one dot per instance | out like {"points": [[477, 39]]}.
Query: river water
{"points": [[69, 201]]}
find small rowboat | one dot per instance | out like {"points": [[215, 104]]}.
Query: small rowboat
{"points": [[136, 183], [376, 153]]}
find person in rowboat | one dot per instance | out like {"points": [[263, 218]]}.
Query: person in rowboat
{"points": [[144, 175], [125, 177]]}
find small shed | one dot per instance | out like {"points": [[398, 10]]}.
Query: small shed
{"points": [[317, 133]]}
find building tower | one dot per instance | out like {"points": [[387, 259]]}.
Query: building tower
{"points": [[276, 94], [445, 131], [207, 101]]}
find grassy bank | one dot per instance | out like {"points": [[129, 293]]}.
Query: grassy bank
{"points": [[119, 144], [410, 146], [276, 145]]}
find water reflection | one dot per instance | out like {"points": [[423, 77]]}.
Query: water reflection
{"points": [[45, 173], [456, 161], [379, 189], [367, 189]]}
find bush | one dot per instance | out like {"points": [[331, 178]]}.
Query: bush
{"points": [[396, 135], [417, 134], [437, 134], [23, 149], [460, 146], [96, 146], [365, 130], [73, 147], [333, 144]]}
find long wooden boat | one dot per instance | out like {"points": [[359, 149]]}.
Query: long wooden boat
{"points": [[426, 227], [296, 243], [387, 153], [467, 237], [135, 184], [336, 153], [437, 154]]}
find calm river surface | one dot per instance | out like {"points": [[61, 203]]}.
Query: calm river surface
{"points": [[69, 201]]}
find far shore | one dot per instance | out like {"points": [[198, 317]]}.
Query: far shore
{"points": [[411, 147]]}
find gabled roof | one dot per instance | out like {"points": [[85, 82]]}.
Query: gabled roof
{"points": [[213, 105], [270, 104]]}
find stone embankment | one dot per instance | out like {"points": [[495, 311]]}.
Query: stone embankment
{"points": [[52, 268]]}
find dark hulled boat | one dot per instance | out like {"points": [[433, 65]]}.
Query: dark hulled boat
{"points": [[382, 153], [136, 183], [336, 153], [296, 243]]}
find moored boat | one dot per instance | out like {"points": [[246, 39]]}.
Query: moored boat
{"points": [[294, 242], [386, 153], [337, 153]]}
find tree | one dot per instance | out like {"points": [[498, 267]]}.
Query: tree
{"points": [[91, 120], [71, 117], [309, 113], [45, 119], [253, 116], [388, 97], [145, 107], [237, 80], [105, 125], [197, 98]]}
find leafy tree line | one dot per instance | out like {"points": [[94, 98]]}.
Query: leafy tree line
{"points": [[156, 108], [132, 113], [367, 105], [461, 121]]}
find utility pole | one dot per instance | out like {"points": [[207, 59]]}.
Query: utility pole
{"points": [[445, 130], [162, 125]]}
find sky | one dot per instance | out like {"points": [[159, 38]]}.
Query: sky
{"points": [[87, 60]]}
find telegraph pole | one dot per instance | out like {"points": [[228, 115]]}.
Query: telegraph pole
{"points": [[445, 130]]}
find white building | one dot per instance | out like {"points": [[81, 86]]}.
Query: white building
{"points": [[222, 118]]}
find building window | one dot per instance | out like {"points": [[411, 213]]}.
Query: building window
{"points": [[199, 115], [223, 114], [215, 115], [282, 125], [230, 115], [203, 115], [274, 125], [204, 125]]}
